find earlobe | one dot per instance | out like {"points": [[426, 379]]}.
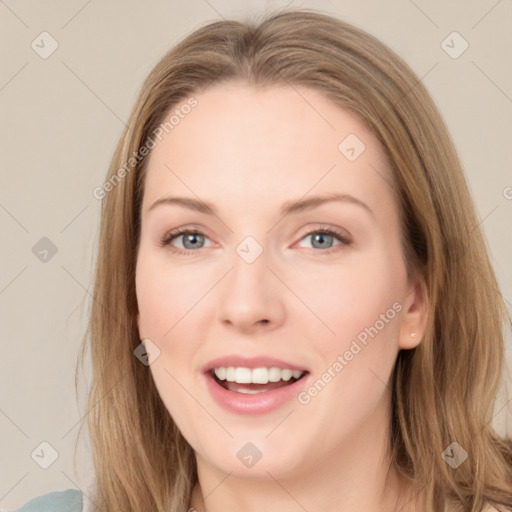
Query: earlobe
{"points": [[408, 342], [414, 316]]}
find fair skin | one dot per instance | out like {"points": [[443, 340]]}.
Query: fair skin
{"points": [[247, 151]]}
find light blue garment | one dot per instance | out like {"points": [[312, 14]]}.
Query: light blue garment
{"points": [[70, 500]]}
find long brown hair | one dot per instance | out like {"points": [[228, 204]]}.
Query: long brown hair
{"points": [[444, 390]]}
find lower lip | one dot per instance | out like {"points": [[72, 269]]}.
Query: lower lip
{"points": [[257, 403]]}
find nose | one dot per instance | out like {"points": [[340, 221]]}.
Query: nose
{"points": [[251, 296]]}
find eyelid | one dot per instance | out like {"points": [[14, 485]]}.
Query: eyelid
{"points": [[343, 234], [177, 232]]}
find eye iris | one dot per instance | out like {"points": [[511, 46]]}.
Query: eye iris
{"points": [[322, 237], [188, 236]]}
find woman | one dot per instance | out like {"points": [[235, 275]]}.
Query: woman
{"points": [[236, 367]]}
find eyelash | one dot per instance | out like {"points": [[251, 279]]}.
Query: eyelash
{"points": [[169, 237]]}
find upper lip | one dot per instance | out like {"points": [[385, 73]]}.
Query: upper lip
{"points": [[250, 362]]}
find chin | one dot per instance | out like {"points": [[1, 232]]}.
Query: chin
{"points": [[254, 460]]}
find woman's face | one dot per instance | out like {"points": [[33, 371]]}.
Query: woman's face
{"points": [[259, 284]]}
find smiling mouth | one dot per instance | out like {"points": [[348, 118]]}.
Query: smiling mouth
{"points": [[242, 380]]}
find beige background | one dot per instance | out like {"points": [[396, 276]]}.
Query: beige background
{"points": [[61, 118]]}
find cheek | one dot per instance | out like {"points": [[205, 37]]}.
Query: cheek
{"points": [[350, 298], [166, 296], [165, 303], [361, 304]]}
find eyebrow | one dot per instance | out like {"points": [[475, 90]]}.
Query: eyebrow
{"points": [[289, 207]]}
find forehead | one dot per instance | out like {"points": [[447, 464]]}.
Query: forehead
{"points": [[259, 144]]}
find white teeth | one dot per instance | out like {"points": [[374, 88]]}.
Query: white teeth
{"points": [[259, 375], [221, 373], [274, 374], [286, 375], [250, 391], [243, 375]]}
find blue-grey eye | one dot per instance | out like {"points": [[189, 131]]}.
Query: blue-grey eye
{"points": [[324, 240], [192, 238]]}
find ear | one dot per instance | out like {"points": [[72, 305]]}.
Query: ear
{"points": [[414, 314]]}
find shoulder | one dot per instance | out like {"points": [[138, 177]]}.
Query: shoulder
{"points": [[69, 500]]}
